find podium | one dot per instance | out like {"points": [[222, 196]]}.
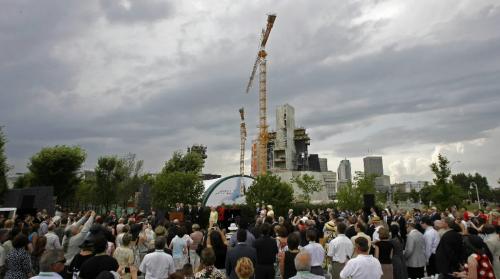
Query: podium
{"points": [[176, 215]]}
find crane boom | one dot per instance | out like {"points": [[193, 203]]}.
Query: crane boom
{"points": [[261, 54], [260, 61]]}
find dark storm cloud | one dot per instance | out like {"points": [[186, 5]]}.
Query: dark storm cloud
{"points": [[451, 80]]}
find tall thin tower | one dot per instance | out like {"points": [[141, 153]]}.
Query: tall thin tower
{"points": [[243, 137], [261, 63]]}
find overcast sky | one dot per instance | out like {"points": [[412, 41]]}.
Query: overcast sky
{"points": [[402, 79]]}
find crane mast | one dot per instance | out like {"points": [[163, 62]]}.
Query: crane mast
{"points": [[261, 63], [243, 137]]}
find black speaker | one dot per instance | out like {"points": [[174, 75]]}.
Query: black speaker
{"points": [[369, 200]]}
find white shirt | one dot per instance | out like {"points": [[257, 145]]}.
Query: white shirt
{"points": [[52, 241], [47, 275], [431, 237], [340, 249], [157, 265], [316, 251], [362, 267], [375, 236], [119, 240]]}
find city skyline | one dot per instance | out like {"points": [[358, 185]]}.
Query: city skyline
{"points": [[405, 80]]}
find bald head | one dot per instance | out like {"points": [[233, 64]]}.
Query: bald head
{"points": [[303, 261]]}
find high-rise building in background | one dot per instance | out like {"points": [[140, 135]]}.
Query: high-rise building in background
{"points": [[344, 170], [323, 164], [344, 174], [373, 166]]}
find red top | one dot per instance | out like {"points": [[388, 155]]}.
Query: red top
{"points": [[220, 211], [484, 268]]}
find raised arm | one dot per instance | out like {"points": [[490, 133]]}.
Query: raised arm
{"points": [[88, 224]]}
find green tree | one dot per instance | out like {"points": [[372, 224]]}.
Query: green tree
{"points": [[24, 181], [4, 168], [465, 181], [133, 179], [414, 196], [401, 196], [86, 192], [349, 197], [444, 192], [308, 185], [58, 167], [110, 172], [365, 184], [189, 162], [269, 189], [179, 180]]}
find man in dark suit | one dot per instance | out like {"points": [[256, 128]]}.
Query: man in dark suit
{"points": [[402, 224], [266, 253], [239, 251], [449, 250]]}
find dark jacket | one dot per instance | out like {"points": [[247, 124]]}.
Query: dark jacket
{"points": [[448, 252], [233, 255], [267, 249]]}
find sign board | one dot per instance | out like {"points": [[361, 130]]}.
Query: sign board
{"points": [[8, 212], [227, 190]]}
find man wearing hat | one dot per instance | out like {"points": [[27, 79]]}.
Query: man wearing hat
{"points": [[86, 253], [377, 224]]}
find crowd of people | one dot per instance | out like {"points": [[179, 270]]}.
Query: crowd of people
{"points": [[326, 243]]}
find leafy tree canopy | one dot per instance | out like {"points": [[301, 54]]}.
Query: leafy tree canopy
{"points": [[4, 168], [308, 185], [179, 180], [464, 181], [444, 193], [110, 172], [58, 166], [269, 189], [189, 162]]}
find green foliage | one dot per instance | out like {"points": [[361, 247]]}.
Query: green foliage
{"points": [[4, 168], [414, 196], [351, 196], [441, 171], [464, 181], [173, 187], [365, 184], [24, 181], [269, 189], [444, 193], [86, 192], [133, 179], [58, 166], [190, 162], [308, 185], [495, 194], [200, 149], [401, 196], [179, 181], [110, 172]]}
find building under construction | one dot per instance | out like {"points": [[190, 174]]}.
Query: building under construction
{"points": [[288, 153], [287, 147]]}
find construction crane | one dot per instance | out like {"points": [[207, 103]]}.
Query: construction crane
{"points": [[243, 136], [261, 62]]}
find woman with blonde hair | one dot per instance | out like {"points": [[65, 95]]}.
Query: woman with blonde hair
{"points": [[244, 268]]}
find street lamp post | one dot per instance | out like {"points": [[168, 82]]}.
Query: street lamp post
{"points": [[477, 193]]}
